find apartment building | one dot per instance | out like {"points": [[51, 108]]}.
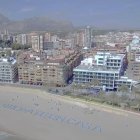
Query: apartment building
{"points": [[20, 39], [80, 38], [133, 69], [133, 51], [37, 42], [88, 37], [8, 70], [54, 68]]}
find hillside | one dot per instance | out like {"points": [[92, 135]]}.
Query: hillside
{"points": [[34, 24]]}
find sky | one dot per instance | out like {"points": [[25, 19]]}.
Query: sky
{"points": [[98, 13]]}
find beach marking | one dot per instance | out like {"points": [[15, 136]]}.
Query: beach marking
{"points": [[59, 118]]}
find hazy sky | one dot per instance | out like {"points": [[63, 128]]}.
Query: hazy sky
{"points": [[101, 13]]}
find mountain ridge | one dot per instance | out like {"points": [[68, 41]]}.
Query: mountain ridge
{"points": [[34, 24]]}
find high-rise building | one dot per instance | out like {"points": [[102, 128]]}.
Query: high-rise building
{"points": [[5, 35], [29, 37], [80, 38], [21, 39], [47, 37], [37, 43], [54, 38], [88, 37]]}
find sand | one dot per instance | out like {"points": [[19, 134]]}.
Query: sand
{"points": [[31, 114]]}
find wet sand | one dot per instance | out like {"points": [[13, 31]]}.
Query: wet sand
{"points": [[29, 114]]}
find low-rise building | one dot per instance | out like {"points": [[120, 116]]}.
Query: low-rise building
{"points": [[107, 68], [8, 70]]}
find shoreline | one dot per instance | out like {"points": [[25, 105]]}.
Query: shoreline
{"points": [[34, 114], [81, 102]]}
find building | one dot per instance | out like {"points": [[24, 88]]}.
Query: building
{"points": [[48, 46], [37, 43], [109, 79], [107, 48], [107, 68], [133, 69], [88, 37], [80, 38], [52, 68], [104, 48], [133, 50], [21, 39], [29, 37], [54, 38], [8, 70], [134, 45], [5, 36], [112, 61], [47, 37], [83, 38]]}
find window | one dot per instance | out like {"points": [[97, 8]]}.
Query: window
{"points": [[100, 58]]}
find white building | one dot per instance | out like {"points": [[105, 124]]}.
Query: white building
{"points": [[8, 70], [134, 45], [87, 62], [47, 37], [107, 68], [111, 61], [54, 38], [20, 39]]}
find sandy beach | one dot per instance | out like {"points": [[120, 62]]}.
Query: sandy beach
{"points": [[31, 114]]}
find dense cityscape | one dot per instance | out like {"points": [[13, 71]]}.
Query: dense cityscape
{"points": [[95, 64], [71, 75], [34, 56]]}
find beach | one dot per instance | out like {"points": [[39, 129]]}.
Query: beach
{"points": [[32, 114]]}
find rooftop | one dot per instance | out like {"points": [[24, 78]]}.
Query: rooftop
{"points": [[95, 68], [110, 55], [53, 56], [126, 79], [8, 60]]}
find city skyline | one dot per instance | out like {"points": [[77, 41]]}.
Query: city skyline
{"points": [[98, 13]]}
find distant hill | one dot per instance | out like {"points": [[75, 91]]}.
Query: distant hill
{"points": [[34, 24], [3, 20]]}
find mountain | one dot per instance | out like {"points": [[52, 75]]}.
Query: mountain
{"points": [[3, 20], [34, 24]]}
